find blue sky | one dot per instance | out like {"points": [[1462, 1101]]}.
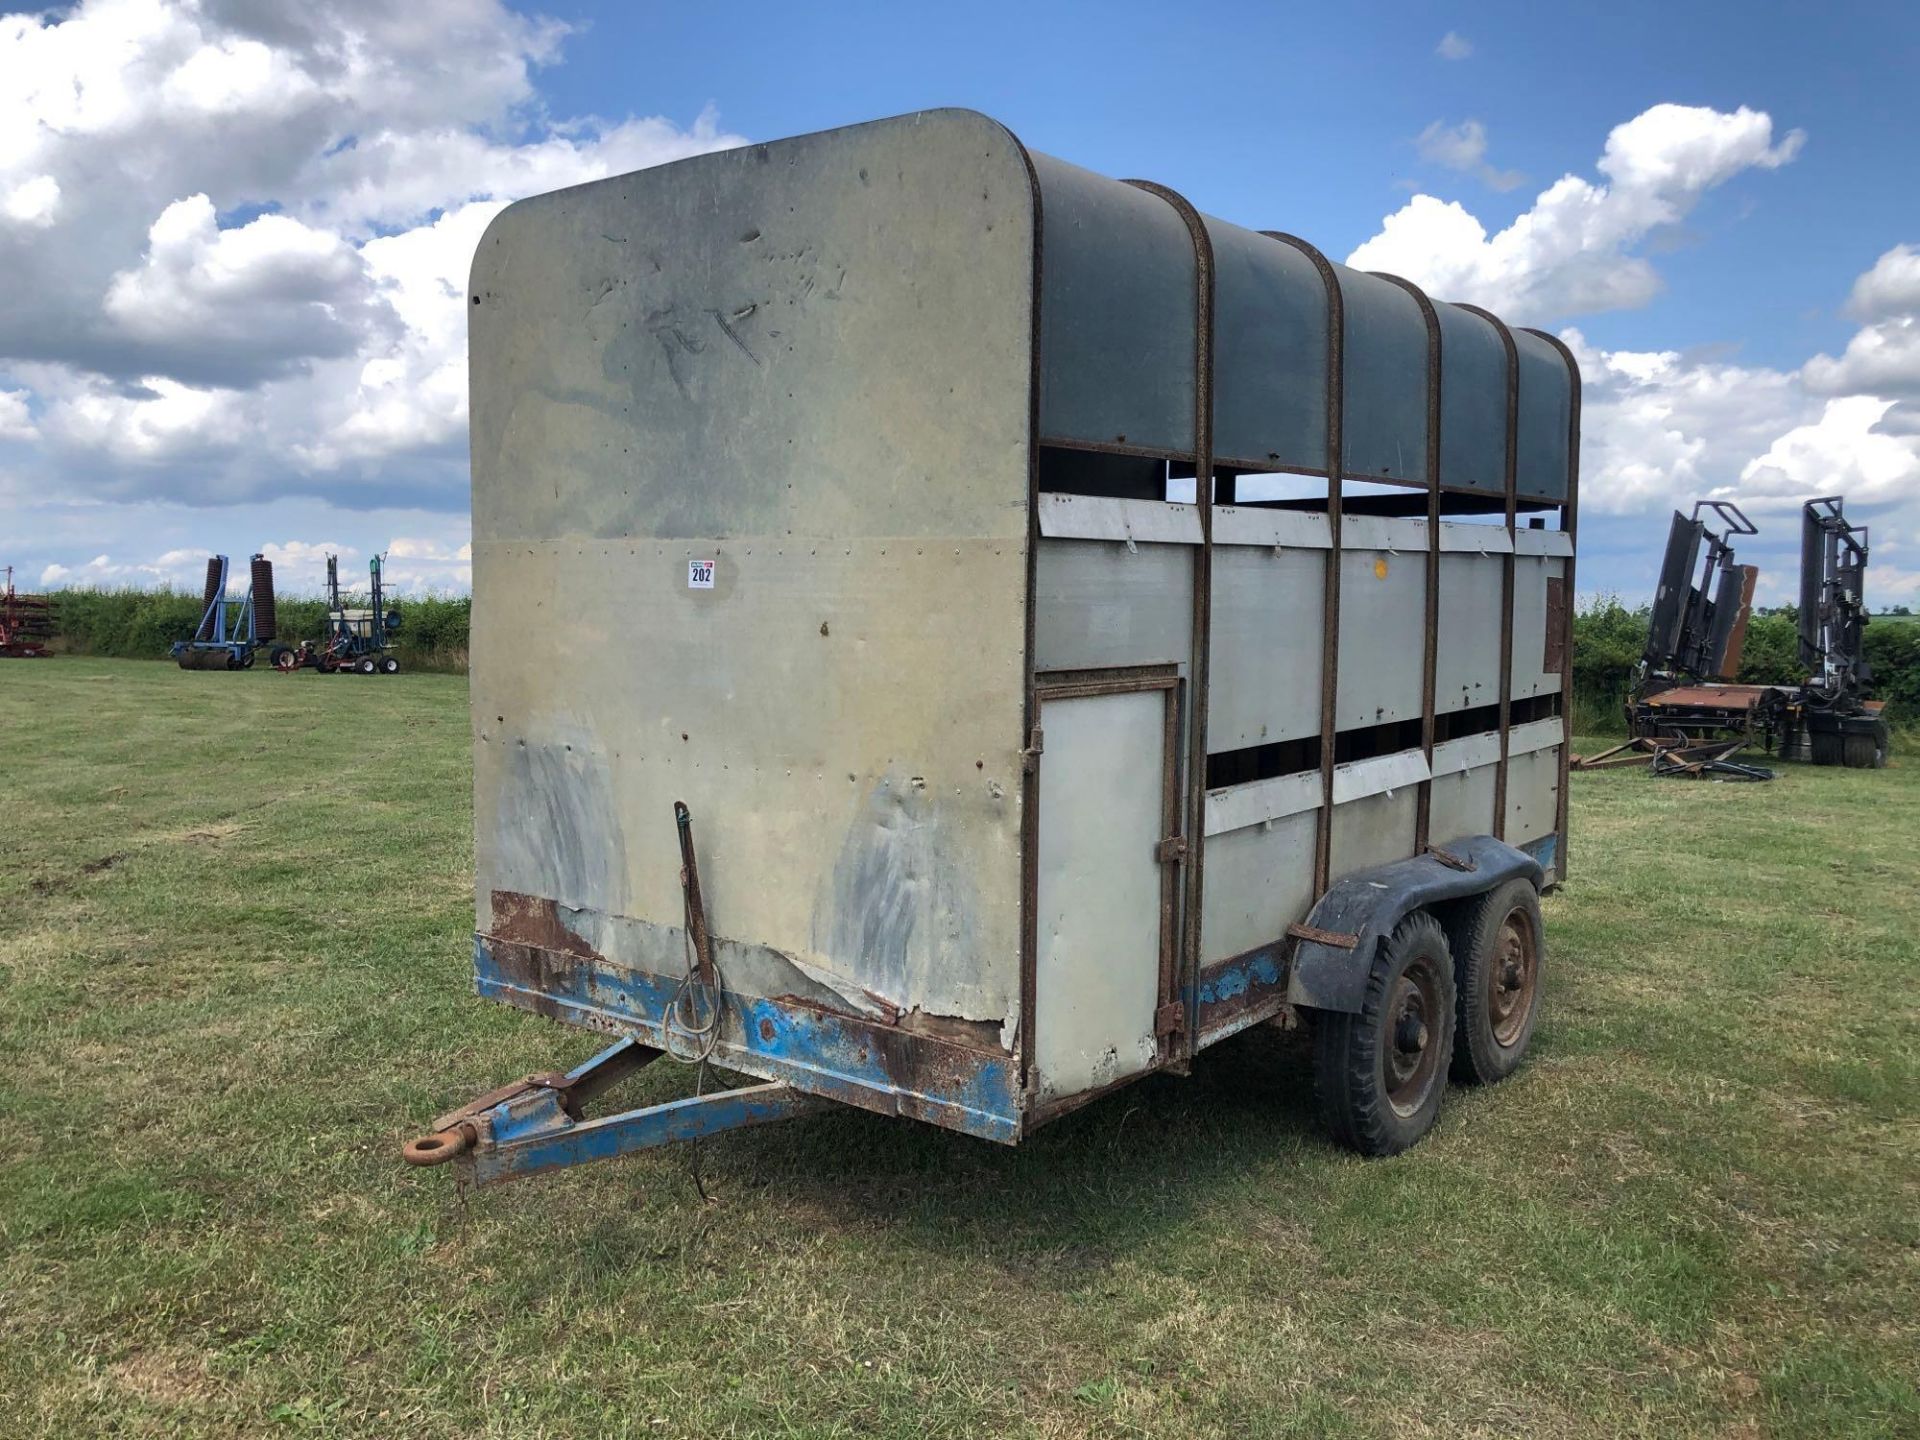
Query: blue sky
{"points": [[238, 234]]}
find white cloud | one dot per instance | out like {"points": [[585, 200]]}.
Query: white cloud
{"points": [[299, 554], [423, 564], [1890, 288], [16, 420], [1464, 147], [235, 235], [1882, 359], [234, 306], [394, 176], [154, 421], [411, 394], [179, 568], [34, 201], [1571, 252], [1453, 46], [1844, 452], [1662, 429]]}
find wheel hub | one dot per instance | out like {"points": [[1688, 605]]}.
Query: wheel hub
{"points": [[1511, 978], [1411, 1060]]}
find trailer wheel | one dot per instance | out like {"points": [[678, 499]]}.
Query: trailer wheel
{"points": [[1380, 1074], [1498, 946], [366, 666], [1863, 752], [282, 658], [389, 665]]}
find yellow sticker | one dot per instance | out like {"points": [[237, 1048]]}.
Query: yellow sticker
{"points": [[1380, 568]]}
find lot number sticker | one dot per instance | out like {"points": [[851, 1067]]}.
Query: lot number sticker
{"points": [[699, 574]]}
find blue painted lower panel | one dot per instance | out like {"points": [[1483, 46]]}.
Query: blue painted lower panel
{"points": [[1547, 851], [1239, 993], [838, 1057]]}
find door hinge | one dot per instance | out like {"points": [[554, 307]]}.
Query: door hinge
{"points": [[1030, 757], [1171, 850], [1170, 1018]]}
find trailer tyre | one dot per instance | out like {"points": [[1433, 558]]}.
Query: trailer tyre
{"points": [[1865, 751], [1498, 949], [366, 666], [389, 665], [1380, 1074]]}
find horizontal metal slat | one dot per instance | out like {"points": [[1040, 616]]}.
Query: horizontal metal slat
{"points": [[1106, 517]]}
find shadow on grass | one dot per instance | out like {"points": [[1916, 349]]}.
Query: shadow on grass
{"points": [[1079, 1194]]}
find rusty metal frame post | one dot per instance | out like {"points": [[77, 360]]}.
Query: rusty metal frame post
{"points": [[1506, 576], [1429, 659], [1570, 522], [1194, 820], [1029, 734], [1330, 619]]}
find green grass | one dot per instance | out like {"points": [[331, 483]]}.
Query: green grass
{"points": [[234, 949]]}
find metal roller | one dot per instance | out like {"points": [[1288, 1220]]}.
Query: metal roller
{"points": [[216, 585], [264, 627]]}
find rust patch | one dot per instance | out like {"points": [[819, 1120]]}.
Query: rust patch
{"points": [[533, 921], [979, 1034], [1338, 939]]}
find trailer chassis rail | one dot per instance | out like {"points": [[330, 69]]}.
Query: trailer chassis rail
{"points": [[539, 1123]]}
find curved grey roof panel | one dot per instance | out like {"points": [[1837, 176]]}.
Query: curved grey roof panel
{"points": [[1117, 314], [1473, 402], [1545, 420], [1384, 360], [1269, 353]]}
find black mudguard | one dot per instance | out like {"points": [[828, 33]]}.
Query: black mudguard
{"points": [[1331, 975]]}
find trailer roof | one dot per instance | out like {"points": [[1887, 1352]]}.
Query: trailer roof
{"points": [[1121, 264]]}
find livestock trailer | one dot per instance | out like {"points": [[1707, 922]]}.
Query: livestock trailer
{"points": [[1079, 629]]}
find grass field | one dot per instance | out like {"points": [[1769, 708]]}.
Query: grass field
{"points": [[234, 951]]}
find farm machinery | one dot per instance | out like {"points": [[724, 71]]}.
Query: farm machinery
{"points": [[1837, 724], [26, 623], [1683, 689], [357, 638], [230, 630], [1684, 697]]}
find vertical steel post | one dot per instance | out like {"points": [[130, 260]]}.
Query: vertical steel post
{"points": [[1330, 631], [1194, 818], [1570, 522], [1423, 813], [1506, 576], [1029, 770]]}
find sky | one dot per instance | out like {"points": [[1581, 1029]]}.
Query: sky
{"points": [[234, 234]]}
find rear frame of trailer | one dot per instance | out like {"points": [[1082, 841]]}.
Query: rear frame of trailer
{"points": [[851, 489]]}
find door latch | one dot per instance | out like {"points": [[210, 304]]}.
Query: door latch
{"points": [[1030, 757], [1171, 850]]}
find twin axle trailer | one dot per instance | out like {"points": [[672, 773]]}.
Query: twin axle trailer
{"points": [[1021, 632]]}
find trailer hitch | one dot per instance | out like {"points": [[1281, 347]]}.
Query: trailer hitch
{"points": [[538, 1123]]}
